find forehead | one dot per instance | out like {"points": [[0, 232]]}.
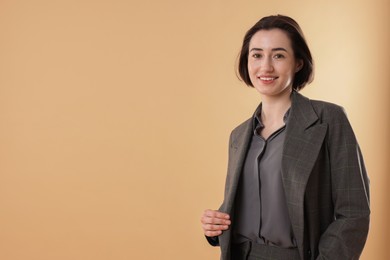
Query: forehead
{"points": [[269, 39]]}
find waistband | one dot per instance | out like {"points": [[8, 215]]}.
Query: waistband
{"points": [[253, 251]]}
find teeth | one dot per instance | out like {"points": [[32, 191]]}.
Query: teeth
{"points": [[266, 78]]}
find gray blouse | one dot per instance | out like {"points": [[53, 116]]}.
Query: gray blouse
{"points": [[261, 213]]}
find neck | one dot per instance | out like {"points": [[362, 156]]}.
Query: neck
{"points": [[274, 108]]}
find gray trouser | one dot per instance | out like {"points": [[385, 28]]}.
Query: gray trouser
{"points": [[253, 251]]}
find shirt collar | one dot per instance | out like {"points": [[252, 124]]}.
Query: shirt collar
{"points": [[257, 124]]}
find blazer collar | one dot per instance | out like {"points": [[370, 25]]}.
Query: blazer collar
{"points": [[302, 110]]}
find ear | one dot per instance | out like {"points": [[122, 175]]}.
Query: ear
{"points": [[299, 65]]}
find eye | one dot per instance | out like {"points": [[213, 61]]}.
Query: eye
{"points": [[256, 55], [278, 56]]}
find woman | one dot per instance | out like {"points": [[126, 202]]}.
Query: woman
{"points": [[296, 185]]}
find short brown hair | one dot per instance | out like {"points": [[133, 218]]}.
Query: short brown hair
{"points": [[301, 50]]}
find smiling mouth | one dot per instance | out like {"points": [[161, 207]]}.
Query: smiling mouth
{"points": [[267, 78]]}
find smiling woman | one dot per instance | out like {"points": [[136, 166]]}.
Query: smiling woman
{"points": [[296, 185]]}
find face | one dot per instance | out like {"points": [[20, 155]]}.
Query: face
{"points": [[271, 62]]}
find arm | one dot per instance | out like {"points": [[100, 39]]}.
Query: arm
{"points": [[346, 235], [214, 222]]}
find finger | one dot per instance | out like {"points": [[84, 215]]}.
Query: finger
{"points": [[215, 221], [215, 213], [213, 233], [210, 227]]}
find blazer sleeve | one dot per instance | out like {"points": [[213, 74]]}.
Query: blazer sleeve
{"points": [[345, 237], [214, 241]]}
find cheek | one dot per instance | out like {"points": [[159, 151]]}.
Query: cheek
{"points": [[251, 67], [251, 72]]}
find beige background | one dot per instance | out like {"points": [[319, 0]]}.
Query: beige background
{"points": [[115, 117]]}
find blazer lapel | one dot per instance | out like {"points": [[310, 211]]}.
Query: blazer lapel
{"points": [[239, 148], [304, 139]]}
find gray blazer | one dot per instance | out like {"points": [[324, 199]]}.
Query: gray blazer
{"points": [[324, 179]]}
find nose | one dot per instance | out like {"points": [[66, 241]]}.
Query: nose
{"points": [[267, 65]]}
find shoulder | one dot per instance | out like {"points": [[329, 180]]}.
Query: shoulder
{"points": [[324, 105], [243, 126], [309, 111], [328, 112], [306, 111], [335, 117], [302, 106], [241, 129]]}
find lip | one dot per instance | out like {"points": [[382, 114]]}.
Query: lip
{"points": [[267, 79]]}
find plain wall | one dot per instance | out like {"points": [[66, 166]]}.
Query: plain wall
{"points": [[115, 117]]}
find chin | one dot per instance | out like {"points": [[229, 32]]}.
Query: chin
{"points": [[272, 92]]}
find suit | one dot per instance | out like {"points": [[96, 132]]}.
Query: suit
{"points": [[324, 180]]}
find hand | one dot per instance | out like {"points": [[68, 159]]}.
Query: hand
{"points": [[214, 222]]}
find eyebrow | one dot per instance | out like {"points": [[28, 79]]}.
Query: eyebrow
{"points": [[274, 49]]}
